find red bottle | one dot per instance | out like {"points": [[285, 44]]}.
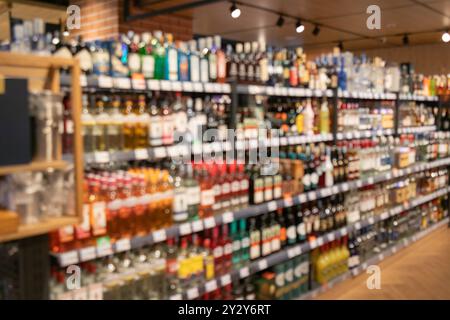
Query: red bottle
{"points": [[226, 188], [112, 210], [217, 249], [235, 186], [244, 189], [227, 249], [206, 194]]}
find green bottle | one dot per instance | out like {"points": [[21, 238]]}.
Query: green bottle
{"points": [[245, 242], [159, 53], [236, 240]]}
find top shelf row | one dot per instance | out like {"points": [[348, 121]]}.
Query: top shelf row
{"points": [[139, 84]]}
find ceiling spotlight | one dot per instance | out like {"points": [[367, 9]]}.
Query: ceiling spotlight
{"points": [[405, 40], [446, 36], [316, 30], [235, 11], [280, 21], [299, 27], [341, 46]]}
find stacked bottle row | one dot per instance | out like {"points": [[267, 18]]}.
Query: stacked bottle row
{"points": [[127, 122], [413, 114], [365, 115], [180, 266]]}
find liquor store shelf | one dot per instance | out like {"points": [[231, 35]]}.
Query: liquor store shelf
{"points": [[373, 260], [139, 85], [182, 149], [90, 253], [296, 250]]}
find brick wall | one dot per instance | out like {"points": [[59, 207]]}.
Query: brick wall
{"points": [[102, 19]]}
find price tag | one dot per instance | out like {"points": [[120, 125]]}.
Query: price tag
{"points": [[225, 280], [371, 220], [105, 82], [313, 244], [384, 216], [217, 87], [95, 291], [172, 151], [262, 264], [274, 142], [340, 136], [292, 252], [345, 187], [83, 80], [335, 189], [176, 297], [68, 258], [123, 245], [226, 88], [308, 92], [87, 254], [302, 198], [244, 272], [185, 228], [138, 84], [101, 157], [209, 87], [210, 285], [288, 202], [159, 152], [284, 91], [141, 154], [198, 87], [104, 249], [240, 145], [159, 235], [122, 83], [318, 93], [209, 222], [153, 85], [283, 141], [357, 225], [176, 86], [359, 184], [270, 91], [343, 231], [192, 293], [227, 217], [165, 85], [320, 241], [331, 236], [197, 226], [312, 196], [272, 206], [370, 181]]}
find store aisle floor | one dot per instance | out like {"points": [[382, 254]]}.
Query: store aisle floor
{"points": [[420, 271]]}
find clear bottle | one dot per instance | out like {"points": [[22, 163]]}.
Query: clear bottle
{"points": [[87, 124], [142, 121]]}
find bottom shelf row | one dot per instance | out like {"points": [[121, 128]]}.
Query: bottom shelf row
{"points": [[195, 271]]}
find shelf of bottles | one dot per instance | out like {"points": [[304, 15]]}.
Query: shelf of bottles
{"points": [[372, 261]]}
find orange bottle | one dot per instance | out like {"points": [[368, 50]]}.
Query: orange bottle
{"points": [[126, 212], [154, 204], [112, 210], [83, 230], [98, 208], [206, 194], [166, 189], [141, 209]]}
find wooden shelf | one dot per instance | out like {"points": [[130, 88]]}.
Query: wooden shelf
{"points": [[39, 228], [33, 166]]}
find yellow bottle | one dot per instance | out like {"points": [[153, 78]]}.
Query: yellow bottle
{"points": [[299, 119], [324, 117]]}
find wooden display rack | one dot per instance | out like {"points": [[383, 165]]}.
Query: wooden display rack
{"points": [[44, 73]]}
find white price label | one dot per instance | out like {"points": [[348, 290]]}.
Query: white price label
{"points": [[166, 85], [176, 86], [141, 154], [225, 280], [95, 291], [313, 244], [176, 297], [335, 189], [105, 82], [209, 223], [312, 195], [159, 152], [209, 87], [87, 254], [153, 85], [101, 157], [272, 206], [123, 245], [320, 241], [383, 216], [198, 87], [244, 272], [83, 80], [192, 293], [288, 202], [226, 88], [217, 87], [159, 236], [262, 264], [357, 225], [292, 252], [210, 285], [331, 236], [122, 83], [302, 198], [227, 217], [370, 180], [185, 228], [371, 220], [283, 141], [343, 231], [197, 226], [68, 258], [104, 250], [138, 84]]}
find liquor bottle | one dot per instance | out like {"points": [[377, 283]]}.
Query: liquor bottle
{"points": [[242, 70], [291, 227], [180, 213], [300, 224], [275, 228], [102, 121], [217, 187], [192, 194], [184, 264], [82, 54], [166, 198], [87, 125], [236, 240], [232, 63], [206, 195], [212, 59], [268, 188], [342, 76], [129, 124], [324, 117], [266, 236], [315, 216], [113, 204], [225, 185], [119, 57], [141, 128], [221, 60], [308, 117], [155, 129], [62, 47], [114, 130], [208, 259], [141, 213], [244, 187], [328, 169], [159, 53], [204, 63], [235, 184], [282, 227], [227, 249], [134, 59], [255, 240], [179, 115], [248, 62], [256, 186], [183, 62], [167, 123], [217, 249], [171, 71], [147, 57], [127, 210], [245, 241], [263, 63], [194, 62]]}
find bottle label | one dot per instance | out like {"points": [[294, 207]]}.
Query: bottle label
{"points": [[255, 251], [298, 271], [180, 205], [244, 199], [226, 188], [244, 184], [167, 129], [172, 266], [289, 275], [172, 58], [277, 192], [258, 196], [212, 67], [316, 224], [235, 186], [291, 233], [301, 230], [85, 60], [245, 242], [306, 180], [279, 280], [180, 121], [155, 130], [275, 243], [221, 65], [236, 245], [268, 194], [85, 225], [314, 179], [204, 72], [134, 63], [98, 217], [193, 195], [195, 68], [227, 249], [218, 252], [266, 248], [207, 197], [148, 66]]}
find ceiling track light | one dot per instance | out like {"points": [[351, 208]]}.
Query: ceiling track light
{"points": [[235, 11], [405, 40], [445, 36], [280, 21], [316, 30], [299, 27]]}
